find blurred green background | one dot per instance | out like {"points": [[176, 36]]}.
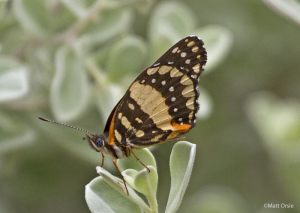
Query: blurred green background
{"points": [[72, 61]]}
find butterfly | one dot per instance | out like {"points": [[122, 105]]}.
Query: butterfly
{"points": [[160, 105]]}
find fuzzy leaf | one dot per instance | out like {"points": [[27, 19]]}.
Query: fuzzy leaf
{"points": [[170, 22], [217, 41], [14, 133], [278, 122], [144, 155], [288, 8], [206, 104], [111, 24], [25, 14], [118, 185], [107, 98], [126, 57], [13, 80], [69, 89], [16, 141], [181, 165], [101, 197], [41, 18]]}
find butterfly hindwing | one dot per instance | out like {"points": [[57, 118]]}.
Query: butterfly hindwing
{"points": [[161, 103]]}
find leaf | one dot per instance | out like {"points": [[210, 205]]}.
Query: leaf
{"points": [[76, 7], [118, 185], [288, 8], [111, 24], [41, 18], [27, 20], [69, 89], [206, 104], [13, 80], [169, 22], [181, 164], [278, 122], [17, 141], [126, 57], [138, 176], [143, 154], [217, 41], [101, 197], [14, 133], [107, 98]]}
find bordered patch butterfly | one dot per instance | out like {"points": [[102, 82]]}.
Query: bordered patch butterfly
{"points": [[160, 105]]}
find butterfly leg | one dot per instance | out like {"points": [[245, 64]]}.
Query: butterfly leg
{"points": [[116, 165], [144, 165], [102, 159]]}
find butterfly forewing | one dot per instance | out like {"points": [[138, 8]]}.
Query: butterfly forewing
{"points": [[162, 102]]}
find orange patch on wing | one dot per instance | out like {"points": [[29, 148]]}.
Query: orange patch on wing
{"points": [[181, 128], [111, 134], [178, 129]]}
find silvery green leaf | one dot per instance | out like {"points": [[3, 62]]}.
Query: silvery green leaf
{"points": [[126, 57], [227, 200], [103, 198], [111, 24], [14, 133], [118, 185], [27, 19], [181, 164], [107, 98], [69, 89], [17, 141], [13, 80], [145, 182], [129, 175], [288, 8], [217, 41], [278, 122], [76, 7], [41, 18], [170, 21], [143, 154], [138, 176], [206, 104]]}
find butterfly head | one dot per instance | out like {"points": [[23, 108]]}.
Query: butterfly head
{"points": [[97, 142]]}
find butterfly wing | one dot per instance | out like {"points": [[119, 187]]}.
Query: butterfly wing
{"points": [[161, 103]]}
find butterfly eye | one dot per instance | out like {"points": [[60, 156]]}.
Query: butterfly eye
{"points": [[99, 142]]}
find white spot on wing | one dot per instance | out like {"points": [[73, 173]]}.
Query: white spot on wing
{"points": [[140, 133], [118, 136], [175, 50], [195, 49], [131, 106], [188, 61]]}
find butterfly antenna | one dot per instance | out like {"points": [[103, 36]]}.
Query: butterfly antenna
{"points": [[66, 125]]}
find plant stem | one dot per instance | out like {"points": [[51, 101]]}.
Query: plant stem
{"points": [[99, 76]]}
